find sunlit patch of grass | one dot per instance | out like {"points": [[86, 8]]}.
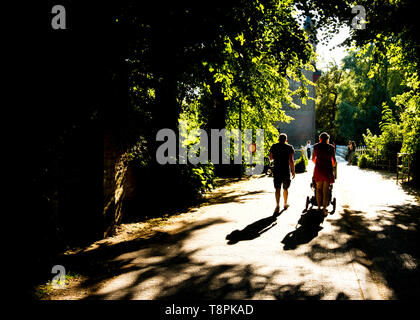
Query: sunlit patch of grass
{"points": [[42, 291]]}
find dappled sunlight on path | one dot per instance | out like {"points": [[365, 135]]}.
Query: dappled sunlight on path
{"points": [[234, 248]]}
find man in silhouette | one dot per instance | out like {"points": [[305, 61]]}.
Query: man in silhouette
{"points": [[282, 155]]}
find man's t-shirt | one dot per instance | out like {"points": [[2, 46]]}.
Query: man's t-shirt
{"points": [[281, 153]]}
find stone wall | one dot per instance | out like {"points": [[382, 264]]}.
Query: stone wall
{"points": [[119, 186]]}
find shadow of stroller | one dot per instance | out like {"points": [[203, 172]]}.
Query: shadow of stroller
{"points": [[252, 231], [309, 226]]}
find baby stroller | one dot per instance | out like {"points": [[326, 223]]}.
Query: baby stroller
{"points": [[270, 168], [312, 200]]}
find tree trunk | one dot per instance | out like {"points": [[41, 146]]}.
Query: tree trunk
{"points": [[217, 120]]}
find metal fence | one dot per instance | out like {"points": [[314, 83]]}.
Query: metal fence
{"points": [[403, 167], [379, 163]]}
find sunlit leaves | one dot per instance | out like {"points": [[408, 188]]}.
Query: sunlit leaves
{"points": [[256, 64]]}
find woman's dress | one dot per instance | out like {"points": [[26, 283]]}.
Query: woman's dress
{"points": [[324, 154]]}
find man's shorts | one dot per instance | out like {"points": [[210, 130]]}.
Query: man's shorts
{"points": [[281, 180]]}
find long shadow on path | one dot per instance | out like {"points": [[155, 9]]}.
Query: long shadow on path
{"points": [[253, 230], [166, 269], [309, 226], [163, 267]]}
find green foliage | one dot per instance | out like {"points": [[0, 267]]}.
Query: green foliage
{"points": [[410, 124], [301, 163], [221, 65], [386, 145], [391, 142], [366, 161], [196, 179], [387, 117], [366, 91], [363, 161], [355, 159], [305, 158], [347, 124], [254, 65], [205, 174], [328, 100], [374, 91], [149, 65], [371, 161], [410, 129]]}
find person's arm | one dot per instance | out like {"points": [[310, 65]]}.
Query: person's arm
{"points": [[314, 155], [271, 153], [292, 164]]}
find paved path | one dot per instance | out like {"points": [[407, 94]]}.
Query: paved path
{"points": [[368, 249]]}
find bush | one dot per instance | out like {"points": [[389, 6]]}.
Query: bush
{"points": [[371, 161], [301, 163], [190, 182], [410, 129], [355, 159], [387, 145], [203, 174], [363, 161], [366, 161], [167, 187], [305, 158]]}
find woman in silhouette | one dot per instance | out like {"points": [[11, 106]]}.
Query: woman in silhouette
{"points": [[352, 148], [324, 159]]}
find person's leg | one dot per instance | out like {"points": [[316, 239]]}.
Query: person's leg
{"points": [[285, 195], [286, 184], [277, 200], [325, 192], [277, 186], [319, 185]]}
